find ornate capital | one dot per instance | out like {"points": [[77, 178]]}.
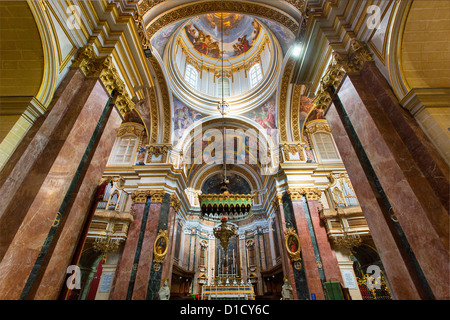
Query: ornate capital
{"points": [[174, 202], [139, 196], [295, 194], [156, 195], [309, 193], [93, 66]]}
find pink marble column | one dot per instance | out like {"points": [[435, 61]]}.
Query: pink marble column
{"points": [[37, 177], [54, 277], [421, 215], [327, 255], [121, 280], [288, 270], [428, 160], [171, 229], [146, 256], [309, 259], [401, 279]]}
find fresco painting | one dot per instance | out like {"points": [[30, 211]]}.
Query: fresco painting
{"points": [[239, 34]]}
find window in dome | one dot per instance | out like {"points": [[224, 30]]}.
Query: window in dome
{"points": [[191, 75], [225, 83], [255, 75]]}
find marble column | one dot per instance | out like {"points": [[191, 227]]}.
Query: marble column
{"points": [[126, 265], [171, 229], [327, 254], [39, 177], [417, 208], [288, 270], [310, 261], [401, 278], [53, 279], [146, 251]]}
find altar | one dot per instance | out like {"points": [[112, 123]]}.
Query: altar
{"points": [[230, 292]]}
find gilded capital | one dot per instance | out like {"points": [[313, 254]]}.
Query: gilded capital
{"points": [[139, 196], [156, 195], [174, 202], [102, 68]]}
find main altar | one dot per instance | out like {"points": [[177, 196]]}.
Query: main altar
{"points": [[228, 292]]}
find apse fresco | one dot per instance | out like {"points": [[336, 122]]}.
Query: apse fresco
{"points": [[265, 115], [183, 117], [239, 34], [237, 185]]}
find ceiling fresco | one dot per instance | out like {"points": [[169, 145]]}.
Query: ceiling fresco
{"points": [[240, 32]]}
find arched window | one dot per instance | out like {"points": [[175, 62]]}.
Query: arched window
{"points": [[225, 84], [325, 146], [124, 150], [255, 75], [191, 75]]}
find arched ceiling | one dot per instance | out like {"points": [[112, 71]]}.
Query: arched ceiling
{"points": [[22, 54], [424, 63]]}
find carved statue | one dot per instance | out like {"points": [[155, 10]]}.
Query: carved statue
{"points": [[164, 292], [286, 290]]}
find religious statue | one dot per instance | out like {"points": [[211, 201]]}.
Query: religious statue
{"points": [[164, 292], [286, 290]]}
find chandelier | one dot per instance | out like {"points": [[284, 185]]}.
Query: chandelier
{"points": [[105, 245], [225, 204], [348, 241], [224, 232]]}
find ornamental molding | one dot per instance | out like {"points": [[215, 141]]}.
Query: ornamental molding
{"points": [[292, 149], [140, 196], [341, 64], [198, 8], [309, 193], [282, 103], [94, 67], [131, 128], [318, 125], [175, 202]]}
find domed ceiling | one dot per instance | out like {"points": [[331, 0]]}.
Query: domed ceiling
{"points": [[239, 34]]}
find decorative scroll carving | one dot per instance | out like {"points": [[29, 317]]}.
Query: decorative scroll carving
{"points": [[318, 125], [289, 149], [157, 151]]}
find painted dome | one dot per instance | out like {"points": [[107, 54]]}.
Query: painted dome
{"points": [[240, 33]]}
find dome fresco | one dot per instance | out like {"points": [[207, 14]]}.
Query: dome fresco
{"points": [[239, 33]]}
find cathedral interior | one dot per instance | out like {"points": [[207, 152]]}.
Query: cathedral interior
{"points": [[232, 149]]}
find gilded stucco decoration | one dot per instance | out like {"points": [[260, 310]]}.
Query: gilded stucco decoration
{"points": [[203, 7], [282, 103], [93, 66]]}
